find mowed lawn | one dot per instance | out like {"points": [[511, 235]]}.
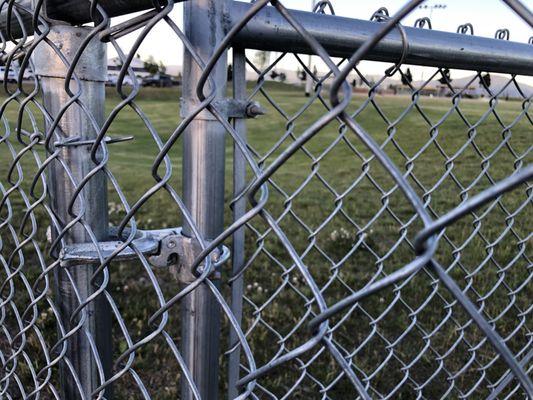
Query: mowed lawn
{"points": [[344, 216]]}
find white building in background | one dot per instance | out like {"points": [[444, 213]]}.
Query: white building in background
{"points": [[114, 65]]}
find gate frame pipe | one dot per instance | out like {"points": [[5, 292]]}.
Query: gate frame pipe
{"points": [[76, 125], [203, 190], [239, 210]]}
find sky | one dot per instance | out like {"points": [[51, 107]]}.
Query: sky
{"points": [[485, 15]]}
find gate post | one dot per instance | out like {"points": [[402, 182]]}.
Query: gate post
{"points": [[203, 189], [72, 164]]}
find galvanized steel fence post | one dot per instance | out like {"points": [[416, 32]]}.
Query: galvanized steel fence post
{"points": [[79, 218], [203, 180]]}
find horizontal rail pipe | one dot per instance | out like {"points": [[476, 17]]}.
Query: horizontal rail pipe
{"points": [[340, 36], [79, 12], [75, 12], [23, 9]]}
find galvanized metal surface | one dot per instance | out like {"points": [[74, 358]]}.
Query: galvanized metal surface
{"points": [[80, 219], [341, 37], [239, 210], [204, 162], [369, 277], [19, 14], [75, 12]]}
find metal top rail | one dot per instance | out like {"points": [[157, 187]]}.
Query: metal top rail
{"points": [[76, 12], [72, 11], [340, 36]]}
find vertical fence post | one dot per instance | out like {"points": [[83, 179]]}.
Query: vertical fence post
{"points": [[239, 209], [203, 186], [82, 376]]}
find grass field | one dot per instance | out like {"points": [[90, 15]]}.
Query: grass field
{"points": [[350, 225]]}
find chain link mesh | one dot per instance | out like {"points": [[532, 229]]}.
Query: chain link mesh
{"points": [[375, 251]]}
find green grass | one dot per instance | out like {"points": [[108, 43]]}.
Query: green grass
{"points": [[332, 225]]}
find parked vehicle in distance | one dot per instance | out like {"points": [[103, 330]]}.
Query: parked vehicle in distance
{"points": [[158, 80], [175, 81]]}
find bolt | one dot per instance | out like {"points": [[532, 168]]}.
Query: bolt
{"points": [[215, 256], [254, 109], [171, 244]]}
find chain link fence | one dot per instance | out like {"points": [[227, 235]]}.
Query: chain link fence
{"points": [[293, 227]]}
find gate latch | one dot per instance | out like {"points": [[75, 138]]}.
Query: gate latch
{"points": [[179, 252], [166, 248]]}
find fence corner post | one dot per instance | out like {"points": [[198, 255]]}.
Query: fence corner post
{"points": [[81, 372]]}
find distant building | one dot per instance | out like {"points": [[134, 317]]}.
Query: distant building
{"points": [[114, 66]]}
